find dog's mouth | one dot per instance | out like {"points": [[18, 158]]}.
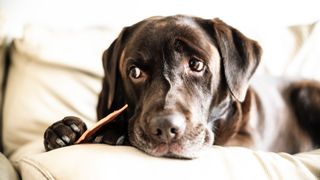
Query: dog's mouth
{"points": [[189, 146]]}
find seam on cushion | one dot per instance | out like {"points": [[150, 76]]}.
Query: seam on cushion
{"points": [[46, 174]]}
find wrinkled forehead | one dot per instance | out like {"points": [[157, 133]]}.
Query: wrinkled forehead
{"points": [[158, 32]]}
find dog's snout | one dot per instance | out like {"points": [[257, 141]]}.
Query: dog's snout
{"points": [[167, 128]]}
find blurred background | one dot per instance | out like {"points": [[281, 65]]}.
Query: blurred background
{"points": [[281, 26], [14, 14]]}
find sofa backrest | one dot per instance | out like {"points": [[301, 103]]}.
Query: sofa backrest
{"points": [[53, 74]]}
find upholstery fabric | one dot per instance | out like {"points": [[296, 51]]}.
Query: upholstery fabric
{"points": [[52, 75], [99, 161], [6, 169]]}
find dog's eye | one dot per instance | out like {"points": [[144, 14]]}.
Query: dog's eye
{"points": [[135, 72], [196, 65]]}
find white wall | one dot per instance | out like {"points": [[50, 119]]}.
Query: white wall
{"points": [[118, 13]]}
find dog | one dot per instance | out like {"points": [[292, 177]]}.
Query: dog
{"points": [[188, 83]]}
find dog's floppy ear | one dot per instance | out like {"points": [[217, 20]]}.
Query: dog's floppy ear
{"points": [[240, 56], [112, 96], [112, 84]]}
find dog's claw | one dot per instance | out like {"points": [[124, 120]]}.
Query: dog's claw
{"points": [[75, 128], [49, 147], [60, 142], [120, 140], [66, 139], [98, 139]]}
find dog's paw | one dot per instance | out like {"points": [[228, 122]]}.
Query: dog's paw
{"points": [[64, 133]]}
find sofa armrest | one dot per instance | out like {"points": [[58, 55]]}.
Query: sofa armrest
{"points": [[6, 169], [99, 161]]}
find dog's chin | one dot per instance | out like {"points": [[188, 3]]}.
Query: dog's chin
{"points": [[185, 148]]}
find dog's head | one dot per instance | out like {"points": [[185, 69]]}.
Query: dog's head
{"points": [[179, 75]]}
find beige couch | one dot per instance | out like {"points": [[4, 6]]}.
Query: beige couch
{"points": [[6, 169], [55, 73]]}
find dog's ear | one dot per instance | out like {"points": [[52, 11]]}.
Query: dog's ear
{"points": [[112, 94], [240, 55]]}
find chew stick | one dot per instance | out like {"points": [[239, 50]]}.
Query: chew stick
{"points": [[100, 123]]}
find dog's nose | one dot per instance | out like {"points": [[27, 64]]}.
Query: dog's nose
{"points": [[167, 128]]}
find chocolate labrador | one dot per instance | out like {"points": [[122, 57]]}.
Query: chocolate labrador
{"points": [[186, 81]]}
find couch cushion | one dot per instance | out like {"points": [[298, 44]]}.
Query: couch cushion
{"points": [[6, 169], [98, 161], [305, 61], [53, 74], [288, 51]]}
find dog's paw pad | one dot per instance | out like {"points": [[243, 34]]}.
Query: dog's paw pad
{"points": [[63, 133]]}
